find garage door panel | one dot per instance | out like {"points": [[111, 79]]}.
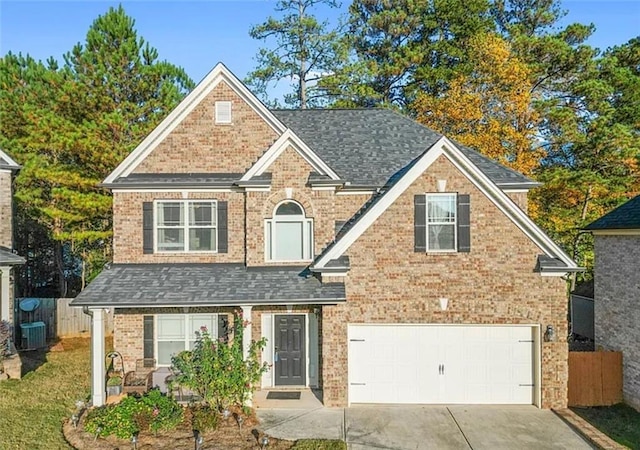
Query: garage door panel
{"points": [[440, 364]]}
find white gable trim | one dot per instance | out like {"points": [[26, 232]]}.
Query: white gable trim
{"points": [[9, 161], [479, 179], [289, 138], [218, 74]]}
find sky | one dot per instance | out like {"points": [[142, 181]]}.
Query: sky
{"points": [[197, 34]]}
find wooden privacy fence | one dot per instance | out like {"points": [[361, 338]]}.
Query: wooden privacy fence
{"points": [[61, 320], [595, 378]]}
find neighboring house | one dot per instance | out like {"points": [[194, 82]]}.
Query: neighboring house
{"points": [[8, 259], [617, 290], [383, 262]]}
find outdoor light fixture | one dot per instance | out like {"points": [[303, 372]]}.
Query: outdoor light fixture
{"points": [[444, 302], [240, 420], [74, 420], [134, 440], [199, 439], [550, 334], [264, 442], [98, 431], [225, 414]]}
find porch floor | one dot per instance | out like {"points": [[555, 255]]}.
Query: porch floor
{"points": [[309, 399]]}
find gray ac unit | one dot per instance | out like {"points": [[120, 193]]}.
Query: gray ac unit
{"points": [[34, 335]]}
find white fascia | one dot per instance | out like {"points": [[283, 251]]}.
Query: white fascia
{"points": [[218, 74], [10, 162], [286, 139], [444, 147]]}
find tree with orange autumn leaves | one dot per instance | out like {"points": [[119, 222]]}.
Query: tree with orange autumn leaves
{"points": [[489, 109]]}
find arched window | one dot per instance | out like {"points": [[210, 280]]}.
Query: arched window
{"points": [[289, 235]]}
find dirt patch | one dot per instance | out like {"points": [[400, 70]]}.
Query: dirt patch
{"points": [[228, 436]]}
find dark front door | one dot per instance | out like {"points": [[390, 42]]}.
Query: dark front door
{"points": [[289, 357]]}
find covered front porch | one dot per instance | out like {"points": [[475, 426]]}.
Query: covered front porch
{"points": [[158, 308]]}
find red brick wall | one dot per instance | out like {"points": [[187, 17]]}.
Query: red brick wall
{"points": [[198, 145], [494, 283]]}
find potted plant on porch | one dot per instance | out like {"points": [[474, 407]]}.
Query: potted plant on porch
{"points": [[114, 386]]}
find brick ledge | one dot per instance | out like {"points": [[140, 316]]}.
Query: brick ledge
{"points": [[588, 431]]}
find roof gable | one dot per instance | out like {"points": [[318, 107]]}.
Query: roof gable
{"points": [[624, 217], [218, 74], [444, 147], [289, 139], [7, 163]]}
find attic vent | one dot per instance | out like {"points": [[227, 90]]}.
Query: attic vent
{"points": [[223, 112]]}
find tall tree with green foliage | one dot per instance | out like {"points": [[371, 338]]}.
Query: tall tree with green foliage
{"points": [[70, 126], [306, 50], [403, 47]]}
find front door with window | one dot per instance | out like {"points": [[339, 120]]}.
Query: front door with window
{"points": [[289, 350]]}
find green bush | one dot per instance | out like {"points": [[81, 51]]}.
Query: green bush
{"points": [[216, 370], [152, 411], [203, 418]]}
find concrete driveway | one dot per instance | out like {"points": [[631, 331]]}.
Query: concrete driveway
{"points": [[426, 427]]}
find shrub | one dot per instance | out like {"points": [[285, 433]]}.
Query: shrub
{"points": [[5, 339], [216, 370], [203, 418], [132, 415]]}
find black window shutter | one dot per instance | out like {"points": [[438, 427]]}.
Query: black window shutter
{"points": [[148, 337], [419, 223], [223, 327], [147, 227], [464, 224], [223, 230]]}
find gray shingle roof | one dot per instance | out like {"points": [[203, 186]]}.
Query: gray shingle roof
{"points": [[625, 216], [186, 180], [368, 146], [134, 285], [9, 258]]}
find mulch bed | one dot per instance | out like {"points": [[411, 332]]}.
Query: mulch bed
{"points": [[228, 436]]}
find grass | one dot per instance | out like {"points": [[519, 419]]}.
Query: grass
{"points": [[33, 408], [620, 422]]}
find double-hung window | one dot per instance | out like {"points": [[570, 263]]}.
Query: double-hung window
{"points": [[441, 222], [178, 332], [289, 235], [186, 226]]}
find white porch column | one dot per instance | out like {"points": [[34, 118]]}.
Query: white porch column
{"points": [[98, 388], [246, 334], [5, 307]]}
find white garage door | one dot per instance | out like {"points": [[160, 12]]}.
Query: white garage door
{"points": [[441, 364]]}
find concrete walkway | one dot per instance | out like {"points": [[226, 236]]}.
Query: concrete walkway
{"points": [[426, 427]]}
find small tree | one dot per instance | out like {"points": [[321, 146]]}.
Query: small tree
{"points": [[217, 371]]}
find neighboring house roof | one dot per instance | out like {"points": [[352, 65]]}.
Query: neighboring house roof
{"points": [[624, 217], [554, 260], [139, 285], [7, 163], [369, 146], [7, 258]]}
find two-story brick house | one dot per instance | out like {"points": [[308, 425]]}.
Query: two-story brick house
{"points": [[8, 259], [383, 262]]}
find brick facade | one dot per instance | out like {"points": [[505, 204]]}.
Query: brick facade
{"points": [[493, 284], [6, 210], [387, 283], [617, 307]]}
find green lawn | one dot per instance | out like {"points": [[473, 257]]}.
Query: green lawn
{"points": [[32, 409], [620, 422]]}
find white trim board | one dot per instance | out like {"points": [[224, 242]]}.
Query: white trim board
{"points": [[9, 160], [218, 74], [444, 147], [289, 138]]}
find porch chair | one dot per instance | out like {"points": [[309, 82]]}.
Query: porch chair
{"points": [[140, 380]]}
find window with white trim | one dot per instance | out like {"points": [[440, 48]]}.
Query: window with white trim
{"points": [[178, 332], [289, 234], [223, 112], [186, 226], [441, 222]]}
